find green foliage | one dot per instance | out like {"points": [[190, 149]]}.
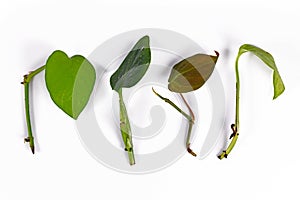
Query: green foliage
{"points": [[133, 67], [268, 59], [191, 73], [70, 81]]}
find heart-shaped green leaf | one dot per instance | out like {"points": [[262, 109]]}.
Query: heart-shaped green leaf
{"points": [[133, 67], [70, 81], [268, 59], [191, 73]]}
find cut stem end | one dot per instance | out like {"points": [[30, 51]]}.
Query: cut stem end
{"points": [[191, 151], [131, 157], [234, 136]]}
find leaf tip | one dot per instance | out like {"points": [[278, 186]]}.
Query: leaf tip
{"points": [[217, 53], [146, 36], [278, 84], [278, 93], [143, 42]]}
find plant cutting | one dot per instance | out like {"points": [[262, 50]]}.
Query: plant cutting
{"points": [[278, 86], [69, 81], [189, 75], [130, 72]]}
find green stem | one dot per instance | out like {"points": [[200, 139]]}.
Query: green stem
{"points": [[191, 123], [190, 118], [26, 81], [125, 129], [235, 127], [237, 97]]}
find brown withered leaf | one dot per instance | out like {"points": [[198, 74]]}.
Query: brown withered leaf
{"points": [[191, 73]]}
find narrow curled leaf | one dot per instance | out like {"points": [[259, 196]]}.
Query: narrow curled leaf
{"points": [[191, 73], [268, 59], [70, 81], [133, 67]]}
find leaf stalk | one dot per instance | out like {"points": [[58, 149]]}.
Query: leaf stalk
{"points": [[125, 129], [190, 118], [26, 81]]}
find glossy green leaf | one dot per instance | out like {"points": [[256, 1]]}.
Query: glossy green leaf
{"points": [[191, 73], [70, 81], [133, 67], [268, 59]]}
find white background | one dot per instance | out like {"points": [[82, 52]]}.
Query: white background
{"points": [[265, 162]]}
